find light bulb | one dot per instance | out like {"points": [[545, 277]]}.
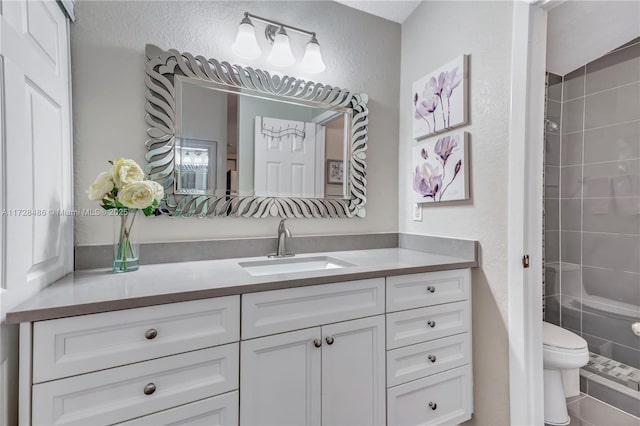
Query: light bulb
{"points": [[246, 45], [281, 55], [312, 62]]}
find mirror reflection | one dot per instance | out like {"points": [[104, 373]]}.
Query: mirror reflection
{"points": [[232, 142]]}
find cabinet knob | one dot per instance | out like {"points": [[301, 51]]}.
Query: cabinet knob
{"points": [[432, 358], [149, 389], [431, 324], [317, 343], [329, 340], [431, 289], [151, 333], [433, 406]]}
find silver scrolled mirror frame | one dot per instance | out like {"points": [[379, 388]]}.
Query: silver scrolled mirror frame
{"points": [[160, 107]]}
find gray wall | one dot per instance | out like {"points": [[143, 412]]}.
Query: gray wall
{"points": [[436, 33], [361, 51], [599, 205]]}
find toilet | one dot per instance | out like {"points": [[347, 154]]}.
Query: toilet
{"points": [[562, 350]]}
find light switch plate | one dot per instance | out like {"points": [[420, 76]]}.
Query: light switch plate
{"points": [[417, 212]]}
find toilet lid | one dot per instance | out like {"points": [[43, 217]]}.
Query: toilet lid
{"points": [[558, 337]]}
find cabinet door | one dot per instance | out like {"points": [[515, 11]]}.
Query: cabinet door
{"points": [[280, 379], [353, 372]]}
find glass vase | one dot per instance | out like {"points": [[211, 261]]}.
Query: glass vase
{"points": [[125, 253]]}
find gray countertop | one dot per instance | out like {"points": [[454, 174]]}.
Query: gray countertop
{"points": [[99, 290]]}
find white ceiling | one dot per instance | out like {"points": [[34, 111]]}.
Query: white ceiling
{"points": [[580, 31], [396, 11]]}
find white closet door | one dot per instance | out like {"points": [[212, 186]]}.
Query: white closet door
{"points": [[285, 165], [37, 168]]}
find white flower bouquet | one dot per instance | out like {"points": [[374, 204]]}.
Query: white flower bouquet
{"points": [[123, 187]]}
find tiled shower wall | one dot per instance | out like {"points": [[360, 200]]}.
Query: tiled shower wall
{"points": [[592, 203]]}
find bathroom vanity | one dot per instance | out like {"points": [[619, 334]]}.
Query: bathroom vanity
{"points": [[386, 340]]}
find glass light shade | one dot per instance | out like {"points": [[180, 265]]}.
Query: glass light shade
{"points": [[281, 55], [312, 62], [246, 45]]}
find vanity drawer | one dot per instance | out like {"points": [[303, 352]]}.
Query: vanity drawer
{"points": [[221, 410], [421, 360], [69, 346], [444, 398], [123, 393], [419, 325], [431, 288], [276, 311]]}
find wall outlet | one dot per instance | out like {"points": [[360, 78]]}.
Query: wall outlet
{"points": [[417, 212]]}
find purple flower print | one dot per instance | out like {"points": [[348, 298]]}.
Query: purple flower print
{"points": [[426, 107], [426, 181], [437, 85], [451, 81], [455, 173], [424, 154], [445, 146]]}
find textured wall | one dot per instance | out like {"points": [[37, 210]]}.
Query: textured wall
{"points": [[434, 34], [361, 51]]}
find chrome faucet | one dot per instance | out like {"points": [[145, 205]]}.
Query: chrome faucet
{"points": [[283, 234]]}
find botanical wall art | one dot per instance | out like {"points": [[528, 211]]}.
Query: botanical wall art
{"points": [[440, 99], [440, 169]]}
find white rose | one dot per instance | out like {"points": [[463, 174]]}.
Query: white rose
{"points": [[125, 171], [138, 195], [101, 187], [159, 191]]}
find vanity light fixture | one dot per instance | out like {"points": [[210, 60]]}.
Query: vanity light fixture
{"points": [[246, 45]]}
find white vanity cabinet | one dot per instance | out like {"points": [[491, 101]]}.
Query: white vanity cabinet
{"points": [[394, 351], [132, 365], [429, 376], [330, 374]]}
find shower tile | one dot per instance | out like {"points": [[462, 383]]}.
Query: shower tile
{"points": [[619, 400], [613, 106], [613, 251], [607, 325], [552, 149], [619, 142], [551, 214], [554, 89], [571, 214], [571, 283], [573, 86], [554, 108], [570, 314], [572, 149], [613, 70], [551, 182], [613, 286], [613, 179], [552, 310], [571, 182], [572, 116], [552, 246], [551, 278], [570, 247], [613, 215]]}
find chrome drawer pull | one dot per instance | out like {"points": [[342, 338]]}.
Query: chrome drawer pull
{"points": [[329, 340], [431, 324], [317, 343], [431, 289], [151, 333], [433, 406], [432, 358], [149, 389]]}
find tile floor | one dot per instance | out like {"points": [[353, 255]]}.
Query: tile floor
{"points": [[587, 411]]}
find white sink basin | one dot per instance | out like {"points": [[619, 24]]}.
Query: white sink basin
{"points": [[292, 264]]}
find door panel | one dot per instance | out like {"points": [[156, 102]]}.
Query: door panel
{"points": [[280, 379], [353, 373]]}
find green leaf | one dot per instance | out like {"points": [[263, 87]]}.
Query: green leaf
{"points": [[148, 211]]}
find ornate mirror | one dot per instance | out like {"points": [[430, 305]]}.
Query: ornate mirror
{"points": [[225, 140]]}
